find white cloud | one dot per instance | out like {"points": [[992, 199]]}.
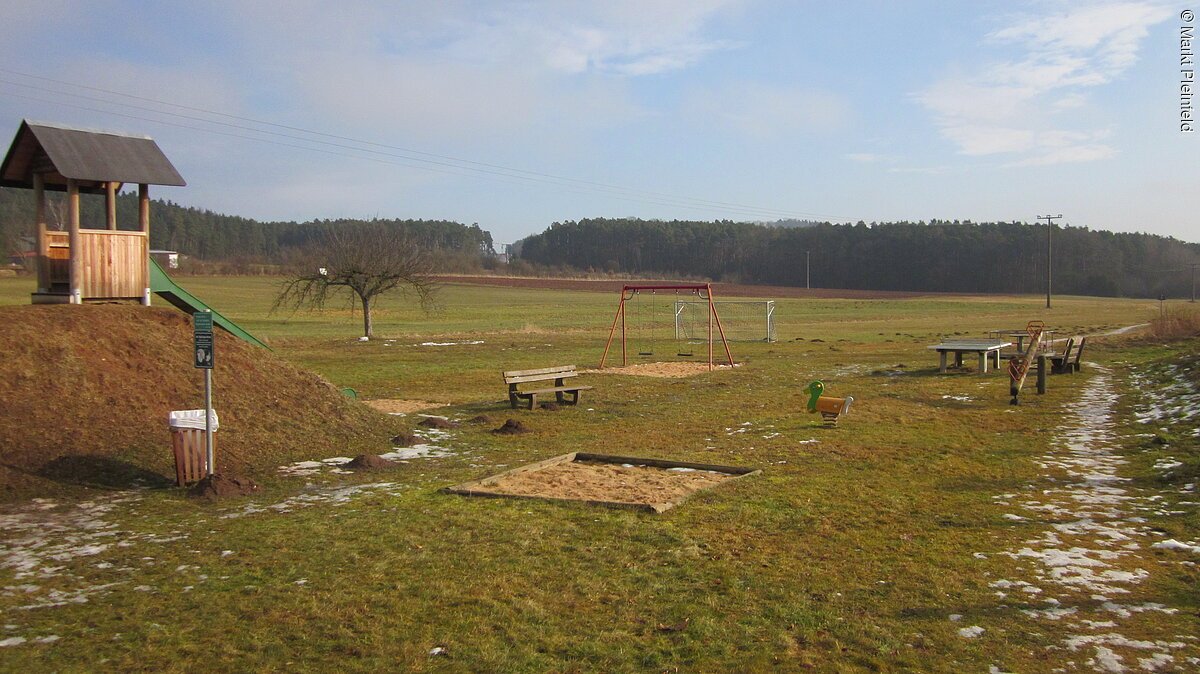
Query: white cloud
{"points": [[1006, 107], [448, 73]]}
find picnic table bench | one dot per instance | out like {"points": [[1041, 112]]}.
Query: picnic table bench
{"points": [[985, 348], [557, 374]]}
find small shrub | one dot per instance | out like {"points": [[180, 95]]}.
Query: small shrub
{"points": [[1177, 323]]}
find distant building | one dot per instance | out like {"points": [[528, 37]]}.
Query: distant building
{"points": [[166, 258]]}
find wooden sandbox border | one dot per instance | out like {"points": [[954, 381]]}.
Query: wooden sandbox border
{"points": [[479, 487]]}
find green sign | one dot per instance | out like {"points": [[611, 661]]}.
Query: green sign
{"points": [[202, 337]]}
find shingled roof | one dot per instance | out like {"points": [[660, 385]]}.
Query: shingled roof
{"points": [[90, 157]]}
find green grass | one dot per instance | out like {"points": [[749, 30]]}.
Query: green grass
{"points": [[845, 554]]}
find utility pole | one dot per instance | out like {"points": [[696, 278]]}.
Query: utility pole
{"points": [[1049, 230], [808, 286]]}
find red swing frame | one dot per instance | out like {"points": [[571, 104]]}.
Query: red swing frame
{"points": [[702, 290]]}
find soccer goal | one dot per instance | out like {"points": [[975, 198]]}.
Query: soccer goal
{"points": [[743, 320], [649, 324]]}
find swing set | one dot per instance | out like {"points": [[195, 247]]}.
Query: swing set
{"points": [[633, 293]]}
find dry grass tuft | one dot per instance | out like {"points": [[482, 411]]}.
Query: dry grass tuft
{"points": [[1177, 323]]}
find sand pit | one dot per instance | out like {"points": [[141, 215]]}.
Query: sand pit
{"points": [[643, 484], [395, 406], [668, 370]]}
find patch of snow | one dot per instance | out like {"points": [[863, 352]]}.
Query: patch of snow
{"points": [[1172, 544]]}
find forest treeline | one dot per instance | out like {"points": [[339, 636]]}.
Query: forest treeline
{"points": [[212, 236], [998, 257], [955, 256]]}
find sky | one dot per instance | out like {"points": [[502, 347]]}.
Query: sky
{"points": [[514, 115]]}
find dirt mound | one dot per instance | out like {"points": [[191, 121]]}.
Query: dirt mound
{"points": [[97, 381], [481, 419], [370, 462], [218, 486], [436, 422], [511, 427], [550, 407], [404, 439]]}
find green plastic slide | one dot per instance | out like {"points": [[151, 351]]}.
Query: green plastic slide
{"points": [[164, 287]]}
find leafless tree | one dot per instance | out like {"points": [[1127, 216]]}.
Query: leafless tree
{"points": [[367, 260]]}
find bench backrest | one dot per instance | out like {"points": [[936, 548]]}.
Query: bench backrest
{"points": [[543, 374], [1067, 351], [1079, 351]]}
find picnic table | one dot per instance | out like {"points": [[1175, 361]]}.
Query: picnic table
{"points": [[1021, 335], [983, 347]]}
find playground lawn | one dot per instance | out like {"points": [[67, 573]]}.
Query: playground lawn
{"points": [[850, 551]]}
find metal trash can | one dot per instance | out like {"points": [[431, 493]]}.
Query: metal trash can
{"points": [[187, 441]]}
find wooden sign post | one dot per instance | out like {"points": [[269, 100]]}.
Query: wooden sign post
{"points": [[202, 337]]}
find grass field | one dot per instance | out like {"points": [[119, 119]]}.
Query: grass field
{"points": [[933, 509]]}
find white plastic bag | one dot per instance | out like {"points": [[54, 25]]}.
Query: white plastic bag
{"points": [[191, 419]]}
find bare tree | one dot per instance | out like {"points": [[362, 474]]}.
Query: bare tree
{"points": [[368, 260]]}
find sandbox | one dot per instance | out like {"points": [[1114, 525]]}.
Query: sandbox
{"points": [[652, 485]]}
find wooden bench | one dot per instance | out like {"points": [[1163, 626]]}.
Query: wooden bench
{"points": [[556, 374], [1069, 362]]}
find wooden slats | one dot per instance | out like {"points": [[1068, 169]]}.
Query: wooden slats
{"points": [[544, 370], [540, 377], [191, 455], [113, 263], [555, 389]]}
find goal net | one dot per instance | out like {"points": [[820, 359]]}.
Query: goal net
{"points": [[743, 320]]}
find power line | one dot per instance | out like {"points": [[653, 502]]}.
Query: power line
{"points": [[497, 176], [445, 161]]}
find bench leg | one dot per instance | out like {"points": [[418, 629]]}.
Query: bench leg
{"points": [[983, 362], [532, 400], [513, 400], [942, 362], [958, 359]]}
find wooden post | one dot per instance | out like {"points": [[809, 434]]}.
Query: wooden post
{"points": [[43, 253], [1041, 375], [144, 225], [624, 354], [76, 245], [711, 313], [110, 205], [621, 317]]}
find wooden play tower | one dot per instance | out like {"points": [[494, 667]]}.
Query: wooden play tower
{"points": [[88, 261]]}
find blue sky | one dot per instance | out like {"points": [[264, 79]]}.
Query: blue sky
{"points": [[532, 112]]}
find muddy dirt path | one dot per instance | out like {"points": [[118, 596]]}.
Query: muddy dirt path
{"points": [[1093, 550]]}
